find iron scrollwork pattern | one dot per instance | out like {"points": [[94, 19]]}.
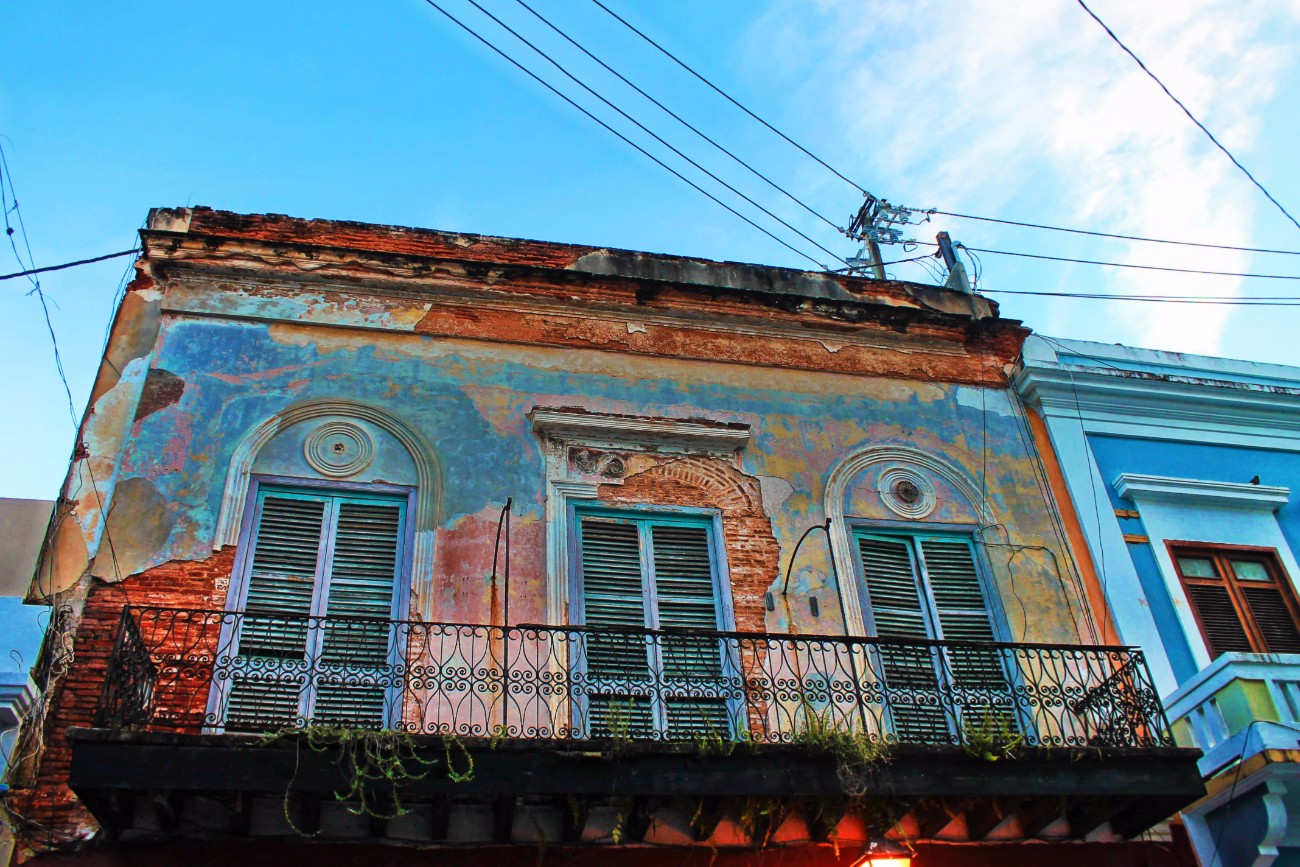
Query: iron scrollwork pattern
{"points": [[182, 670]]}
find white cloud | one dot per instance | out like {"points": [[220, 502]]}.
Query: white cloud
{"points": [[1028, 110]]}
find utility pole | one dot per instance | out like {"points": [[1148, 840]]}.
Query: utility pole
{"points": [[876, 222], [956, 270]]}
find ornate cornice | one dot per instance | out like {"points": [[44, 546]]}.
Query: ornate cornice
{"points": [[1163, 406], [577, 425], [1133, 486]]}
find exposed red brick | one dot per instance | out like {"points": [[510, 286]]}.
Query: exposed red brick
{"points": [[74, 700], [752, 549]]}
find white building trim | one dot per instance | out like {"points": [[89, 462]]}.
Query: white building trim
{"points": [[1133, 486], [1083, 389]]}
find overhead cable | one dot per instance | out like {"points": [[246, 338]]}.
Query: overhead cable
{"points": [[1115, 235], [660, 162], [1153, 299], [1186, 111], [675, 116], [862, 189], [729, 98], [1126, 264], [647, 130], [31, 271]]}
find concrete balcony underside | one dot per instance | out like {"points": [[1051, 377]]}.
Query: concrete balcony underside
{"points": [[151, 786]]}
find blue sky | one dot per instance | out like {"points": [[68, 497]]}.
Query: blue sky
{"points": [[385, 112]]}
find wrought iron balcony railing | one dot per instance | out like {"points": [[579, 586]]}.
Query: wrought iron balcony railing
{"points": [[212, 671]]}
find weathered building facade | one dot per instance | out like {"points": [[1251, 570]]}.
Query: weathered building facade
{"points": [[1183, 468], [640, 550]]}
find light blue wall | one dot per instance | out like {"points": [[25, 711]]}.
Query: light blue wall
{"points": [[1162, 609], [1214, 463], [1115, 455], [21, 628]]}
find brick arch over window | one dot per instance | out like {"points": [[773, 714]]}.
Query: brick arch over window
{"points": [[752, 550], [428, 473]]}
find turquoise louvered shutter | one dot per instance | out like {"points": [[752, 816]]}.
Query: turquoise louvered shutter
{"points": [[976, 673], [618, 667], [685, 598], [898, 607], [317, 555], [358, 629], [647, 572], [961, 610], [892, 587], [266, 687]]}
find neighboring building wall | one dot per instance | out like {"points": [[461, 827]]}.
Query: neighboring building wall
{"points": [[23, 524], [551, 375], [22, 527], [1159, 449]]}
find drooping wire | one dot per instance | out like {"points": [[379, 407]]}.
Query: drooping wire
{"points": [[1126, 264], [677, 60], [609, 128], [33, 271], [29, 266], [7, 193], [646, 129], [680, 119], [1186, 111], [1288, 301], [1114, 235], [730, 99]]}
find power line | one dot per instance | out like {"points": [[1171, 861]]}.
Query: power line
{"points": [[1281, 301], [1114, 235], [646, 129], [680, 119], [1126, 264], [31, 271], [729, 98], [30, 267], [862, 189], [611, 129], [1186, 111]]}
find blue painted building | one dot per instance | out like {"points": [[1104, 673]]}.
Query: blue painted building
{"points": [[1182, 471]]}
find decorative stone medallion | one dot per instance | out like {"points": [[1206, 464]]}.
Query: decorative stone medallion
{"points": [[339, 449], [906, 492], [593, 462]]}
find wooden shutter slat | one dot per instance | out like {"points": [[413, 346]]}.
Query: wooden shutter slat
{"points": [[358, 632], [612, 598], [684, 591], [910, 675], [892, 588], [1273, 618], [1222, 626], [963, 614]]}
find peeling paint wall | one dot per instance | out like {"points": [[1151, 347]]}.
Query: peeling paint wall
{"points": [[245, 335], [229, 353]]}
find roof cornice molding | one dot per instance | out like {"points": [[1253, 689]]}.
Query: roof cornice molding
{"points": [[578, 425], [171, 253], [1136, 403], [1137, 487]]}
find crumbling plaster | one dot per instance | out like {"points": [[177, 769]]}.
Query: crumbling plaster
{"points": [[470, 399], [235, 333]]}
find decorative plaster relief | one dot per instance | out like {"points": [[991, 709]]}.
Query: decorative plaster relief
{"points": [[428, 473], [905, 469], [584, 450], [339, 449], [593, 462], [906, 492]]}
